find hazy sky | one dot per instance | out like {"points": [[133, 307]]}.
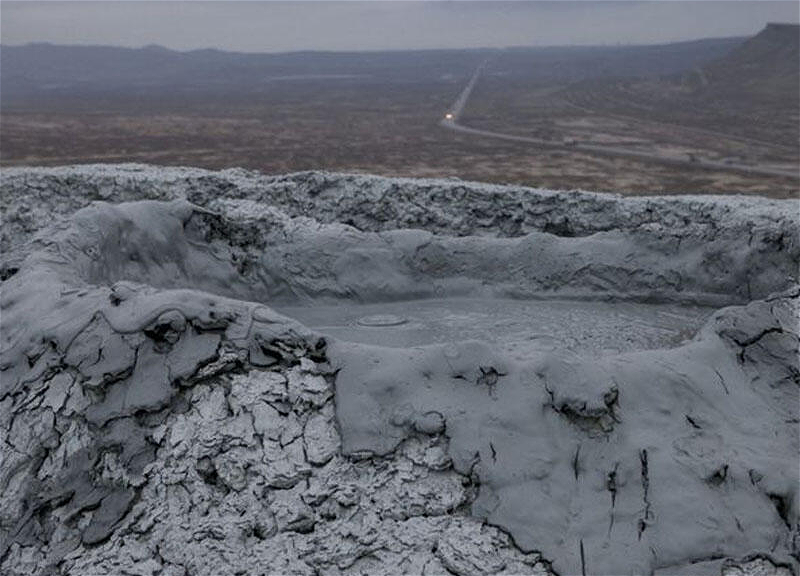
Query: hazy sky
{"points": [[255, 26]]}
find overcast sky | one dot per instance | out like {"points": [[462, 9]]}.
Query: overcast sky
{"points": [[254, 26]]}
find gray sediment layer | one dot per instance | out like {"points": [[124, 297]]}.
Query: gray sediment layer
{"points": [[159, 414]]}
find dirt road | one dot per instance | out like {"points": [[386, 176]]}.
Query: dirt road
{"points": [[451, 122]]}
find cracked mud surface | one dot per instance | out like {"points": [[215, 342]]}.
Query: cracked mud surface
{"points": [[160, 416]]}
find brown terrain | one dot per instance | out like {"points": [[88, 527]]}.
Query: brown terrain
{"points": [[730, 101]]}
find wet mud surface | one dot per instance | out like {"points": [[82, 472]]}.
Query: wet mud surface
{"points": [[319, 373], [518, 327]]}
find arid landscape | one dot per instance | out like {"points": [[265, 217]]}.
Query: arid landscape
{"points": [[379, 113]]}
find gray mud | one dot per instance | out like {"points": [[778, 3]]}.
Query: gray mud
{"points": [[517, 327], [625, 464], [338, 374]]}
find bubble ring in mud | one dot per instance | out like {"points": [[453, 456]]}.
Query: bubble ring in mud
{"points": [[381, 320]]}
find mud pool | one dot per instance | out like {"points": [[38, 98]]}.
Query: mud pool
{"points": [[514, 326]]}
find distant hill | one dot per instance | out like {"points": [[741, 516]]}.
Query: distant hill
{"points": [[573, 64], [46, 69], [53, 70], [752, 89], [766, 66]]}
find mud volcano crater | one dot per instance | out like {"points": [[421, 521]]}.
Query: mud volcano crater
{"points": [[461, 378]]}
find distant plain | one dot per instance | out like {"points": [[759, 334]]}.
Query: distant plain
{"points": [[379, 112]]}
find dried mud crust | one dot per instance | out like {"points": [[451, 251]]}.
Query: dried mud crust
{"points": [[704, 250], [185, 427], [251, 462], [754, 236], [631, 463]]}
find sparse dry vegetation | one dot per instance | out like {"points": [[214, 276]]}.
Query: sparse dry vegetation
{"points": [[381, 116]]}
